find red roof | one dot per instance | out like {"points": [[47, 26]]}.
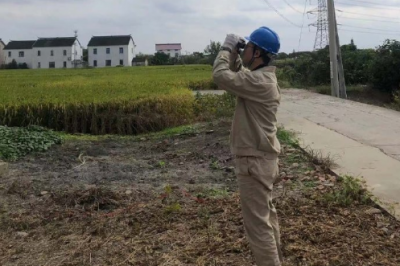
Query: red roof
{"points": [[168, 46]]}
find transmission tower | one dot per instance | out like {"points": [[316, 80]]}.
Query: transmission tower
{"points": [[321, 38]]}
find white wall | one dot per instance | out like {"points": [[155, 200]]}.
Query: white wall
{"points": [[59, 58], [171, 53], [2, 55], [114, 55], [79, 51], [20, 60], [132, 53]]}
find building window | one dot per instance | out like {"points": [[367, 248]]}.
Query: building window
{"points": [[51, 53], [39, 65], [107, 50], [95, 51], [65, 64], [9, 54], [52, 65], [65, 52], [95, 63], [39, 53], [176, 50], [121, 50], [132, 50], [21, 54], [121, 62], [108, 62]]}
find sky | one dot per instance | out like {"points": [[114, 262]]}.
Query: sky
{"points": [[195, 22]]}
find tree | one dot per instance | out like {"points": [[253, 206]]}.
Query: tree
{"points": [[23, 66], [198, 54], [140, 57], [384, 70], [195, 58], [349, 47], [212, 51], [282, 56], [12, 65], [160, 59]]}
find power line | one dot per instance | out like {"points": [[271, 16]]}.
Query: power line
{"points": [[376, 20], [364, 14], [349, 4], [302, 25], [369, 32], [370, 3], [292, 7], [366, 28], [281, 15]]}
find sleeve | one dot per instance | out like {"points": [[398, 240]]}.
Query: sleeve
{"points": [[235, 63], [243, 84]]}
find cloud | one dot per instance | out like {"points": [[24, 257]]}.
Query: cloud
{"points": [[192, 22]]}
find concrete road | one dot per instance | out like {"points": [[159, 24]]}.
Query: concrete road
{"points": [[364, 139], [367, 124]]}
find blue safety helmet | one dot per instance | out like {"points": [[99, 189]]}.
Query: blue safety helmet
{"points": [[266, 39]]}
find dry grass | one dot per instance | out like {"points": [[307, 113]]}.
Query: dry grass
{"points": [[318, 158], [204, 231], [191, 221], [102, 101]]}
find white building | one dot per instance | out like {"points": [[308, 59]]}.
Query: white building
{"points": [[172, 49], [45, 52], [111, 51], [65, 52], [2, 55], [20, 51]]}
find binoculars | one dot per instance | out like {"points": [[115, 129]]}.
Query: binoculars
{"points": [[241, 44]]}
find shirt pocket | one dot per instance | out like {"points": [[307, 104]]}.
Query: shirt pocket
{"points": [[242, 166]]}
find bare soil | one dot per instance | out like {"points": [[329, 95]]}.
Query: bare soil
{"points": [[172, 200]]}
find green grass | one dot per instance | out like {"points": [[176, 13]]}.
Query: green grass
{"points": [[168, 132], [351, 191], [97, 85], [295, 158], [213, 193], [287, 137]]}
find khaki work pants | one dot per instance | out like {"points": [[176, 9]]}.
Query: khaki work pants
{"points": [[256, 176]]}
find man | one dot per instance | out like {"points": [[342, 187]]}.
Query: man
{"points": [[253, 136]]}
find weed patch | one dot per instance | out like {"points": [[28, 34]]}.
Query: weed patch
{"points": [[18, 142]]}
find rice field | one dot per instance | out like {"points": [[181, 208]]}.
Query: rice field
{"points": [[101, 101]]}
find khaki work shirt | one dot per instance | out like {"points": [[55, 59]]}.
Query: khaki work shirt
{"points": [[254, 125]]}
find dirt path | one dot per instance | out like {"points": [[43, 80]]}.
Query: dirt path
{"points": [[172, 200]]}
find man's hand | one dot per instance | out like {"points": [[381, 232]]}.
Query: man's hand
{"points": [[231, 42]]}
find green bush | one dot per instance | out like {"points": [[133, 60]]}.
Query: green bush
{"points": [[351, 191], [385, 69], [18, 142], [313, 68]]}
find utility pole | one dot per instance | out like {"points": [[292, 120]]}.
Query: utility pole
{"points": [[342, 81], [333, 49]]}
